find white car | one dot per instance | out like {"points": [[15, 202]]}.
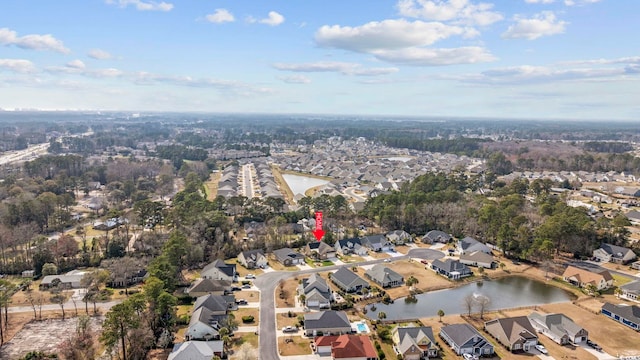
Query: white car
{"points": [[289, 329], [542, 349], [250, 276], [469, 357]]}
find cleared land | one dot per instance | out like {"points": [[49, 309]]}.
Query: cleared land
{"points": [[294, 345], [211, 185], [286, 292]]}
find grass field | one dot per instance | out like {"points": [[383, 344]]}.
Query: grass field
{"points": [[298, 346], [211, 185], [289, 287]]}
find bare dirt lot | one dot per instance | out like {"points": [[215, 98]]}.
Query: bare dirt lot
{"points": [[427, 279], [285, 295], [44, 336]]}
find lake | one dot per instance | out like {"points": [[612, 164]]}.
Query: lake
{"points": [[299, 184], [505, 293]]}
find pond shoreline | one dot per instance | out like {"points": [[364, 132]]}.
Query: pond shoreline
{"points": [[530, 277]]}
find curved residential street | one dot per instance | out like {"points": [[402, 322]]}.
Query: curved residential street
{"points": [[267, 283]]}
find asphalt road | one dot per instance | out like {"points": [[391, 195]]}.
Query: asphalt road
{"points": [[267, 283]]}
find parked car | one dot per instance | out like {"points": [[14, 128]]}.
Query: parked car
{"points": [[241, 302], [289, 329], [387, 260], [246, 286], [250, 276], [469, 357], [542, 349], [424, 261], [235, 288]]}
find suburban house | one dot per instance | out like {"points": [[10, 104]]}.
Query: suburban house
{"points": [[613, 253], [197, 350], [479, 259], [69, 281], [328, 322], [465, 339], [516, 333], [205, 325], [252, 259], [348, 281], [629, 315], [384, 276], [399, 237], [631, 291], [559, 328], [469, 245], [202, 287], [583, 278], [319, 250], [450, 268], [219, 270], [316, 292], [217, 304], [415, 343], [377, 243], [288, 257], [350, 246], [348, 347], [436, 236]]}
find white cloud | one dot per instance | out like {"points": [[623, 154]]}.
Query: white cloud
{"points": [[17, 65], [539, 1], [631, 60], [99, 54], [227, 87], [542, 24], [220, 16], [579, 2], [344, 68], [295, 79], [436, 57], [387, 35], [32, 41], [274, 19], [143, 5], [76, 64], [458, 11]]}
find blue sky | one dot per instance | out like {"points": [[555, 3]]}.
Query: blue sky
{"points": [[545, 59]]}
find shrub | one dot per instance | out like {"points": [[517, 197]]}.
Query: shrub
{"points": [[247, 319]]}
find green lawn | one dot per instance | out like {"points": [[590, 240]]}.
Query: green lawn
{"points": [[619, 280]]}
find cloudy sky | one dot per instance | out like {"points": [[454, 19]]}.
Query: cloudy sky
{"points": [[547, 59]]}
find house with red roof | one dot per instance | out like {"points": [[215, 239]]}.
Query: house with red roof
{"points": [[352, 347]]}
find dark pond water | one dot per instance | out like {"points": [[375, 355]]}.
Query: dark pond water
{"points": [[505, 293]]}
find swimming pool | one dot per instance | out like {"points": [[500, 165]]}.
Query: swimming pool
{"points": [[362, 327]]}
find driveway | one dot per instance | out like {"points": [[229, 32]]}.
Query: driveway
{"points": [[600, 355]]}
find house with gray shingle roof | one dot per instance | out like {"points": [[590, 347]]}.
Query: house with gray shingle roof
{"points": [[631, 291], [288, 257], [348, 281], [398, 237], [328, 322], [197, 350], [219, 270], [613, 253], [252, 259], [415, 342], [479, 259], [202, 287], [559, 328], [465, 339], [436, 236], [350, 246], [377, 242], [628, 315], [450, 268], [469, 245], [384, 276], [319, 250], [316, 292]]}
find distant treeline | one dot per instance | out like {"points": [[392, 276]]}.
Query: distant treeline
{"points": [[180, 152], [608, 147], [460, 146]]}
